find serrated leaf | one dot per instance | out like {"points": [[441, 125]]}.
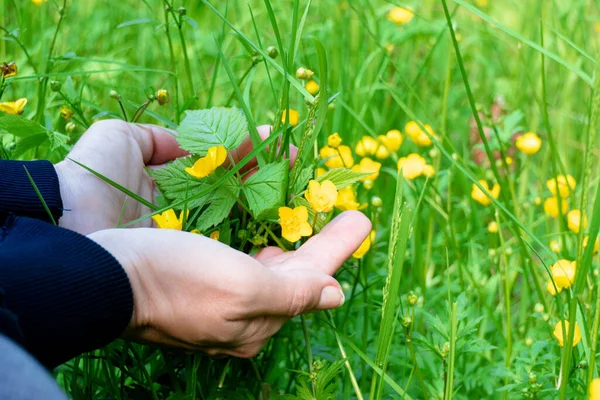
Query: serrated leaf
{"points": [[57, 139], [304, 176], [220, 203], [27, 143], [174, 182], [202, 129], [342, 177], [266, 190], [20, 126]]}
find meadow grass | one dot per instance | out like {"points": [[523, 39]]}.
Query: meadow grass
{"points": [[442, 306]]}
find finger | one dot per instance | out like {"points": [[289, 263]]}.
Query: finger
{"points": [[328, 250], [268, 253], [291, 293], [157, 144]]}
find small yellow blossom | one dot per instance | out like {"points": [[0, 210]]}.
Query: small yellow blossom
{"points": [[370, 166], [162, 96], [419, 136], [13, 107], [412, 166], [366, 147], [321, 171], [479, 196], [428, 171], [66, 113], [493, 227], [169, 220], [392, 140], [9, 70], [365, 246], [312, 87], [529, 143], [346, 199], [334, 140], [508, 160], [558, 333], [294, 117], [555, 246], [382, 151], [575, 221], [594, 389], [38, 2], [565, 185], [596, 245], [563, 274], [332, 157], [294, 223], [400, 15], [304, 73], [208, 164], [321, 196], [215, 235], [551, 206]]}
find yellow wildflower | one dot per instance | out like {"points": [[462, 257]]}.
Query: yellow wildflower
{"points": [[575, 221], [332, 157], [428, 171], [563, 274], [215, 235], [169, 220], [162, 96], [346, 199], [321, 196], [368, 165], [38, 2], [529, 143], [400, 15], [565, 185], [365, 246], [321, 171], [13, 107], [293, 119], [412, 166], [594, 389], [392, 140], [555, 246], [479, 196], [9, 70], [66, 113], [596, 245], [334, 140], [208, 164], [417, 135], [367, 146], [551, 207], [493, 227], [294, 223], [312, 87], [558, 333], [382, 151]]}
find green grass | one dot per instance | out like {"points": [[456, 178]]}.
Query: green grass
{"points": [[482, 327]]}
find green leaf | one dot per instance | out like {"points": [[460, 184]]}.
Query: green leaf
{"points": [[342, 177], [266, 189], [19, 126], [57, 140], [220, 203], [174, 183], [202, 129], [304, 176], [27, 143]]}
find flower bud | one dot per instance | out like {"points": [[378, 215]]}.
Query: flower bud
{"points": [[304, 73], [528, 342], [70, 127], [538, 308], [66, 113], [582, 365], [508, 251], [256, 59], [317, 365], [546, 317], [445, 349], [114, 95], [182, 11], [412, 298], [492, 253], [406, 321], [272, 52], [368, 184], [55, 86], [376, 201], [433, 153], [162, 96], [345, 286], [532, 378]]}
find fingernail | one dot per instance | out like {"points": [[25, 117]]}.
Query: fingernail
{"points": [[331, 297]]}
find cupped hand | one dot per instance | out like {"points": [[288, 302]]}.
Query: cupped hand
{"points": [[196, 293], [120, 151]]}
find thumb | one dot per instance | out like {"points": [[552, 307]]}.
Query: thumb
{"points": [[291, 293]]}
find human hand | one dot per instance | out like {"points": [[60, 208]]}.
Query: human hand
{"points": [[196, 293], [120, 151]]}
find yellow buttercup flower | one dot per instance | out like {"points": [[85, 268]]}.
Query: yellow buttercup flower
{"points": [[493, 227], [332, 157], [365, 246], [529, 143], [563, 274], [321, 196], [366, 147], [479, 196], [169, 220], [560, 336], [346, 199], [400, 15], [206, 165], [594, 389], [596, 245], [564, 185], [382, 152], [334, 140], [392, 140], [13, 107], [321, 171], [551, 206], [412, 166], [294, 118], [370, 166], [162, 96], [215, 235], [294, 223], [66, 113], [576, 221], [312, 87], [417, 135]]}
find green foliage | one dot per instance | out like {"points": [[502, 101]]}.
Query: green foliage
{"points": [[266, 190], [342, 177]]}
